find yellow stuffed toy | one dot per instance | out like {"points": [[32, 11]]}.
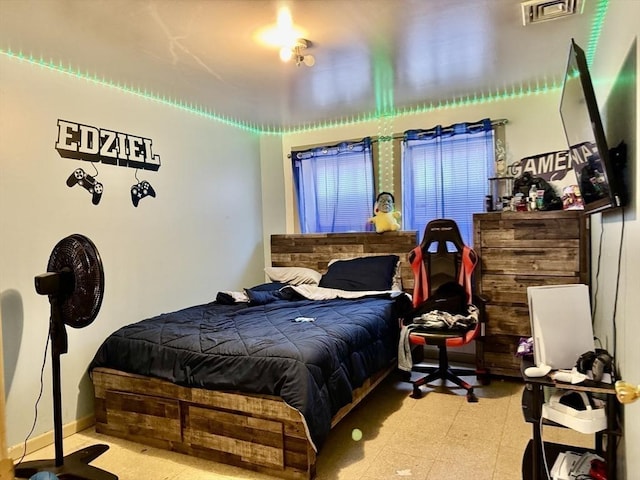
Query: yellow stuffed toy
{"points": [[386, 218]]}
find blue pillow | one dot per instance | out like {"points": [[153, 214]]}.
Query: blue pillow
{"points": [[361, 274], [262, 297], [268, 287]]}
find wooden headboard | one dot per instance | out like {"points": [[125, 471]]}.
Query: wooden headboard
{"points": [[315, 250]]}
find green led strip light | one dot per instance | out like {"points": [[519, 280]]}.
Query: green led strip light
{"points": [[383, 81], [384, 99], [596, 28], [143, 93], [383, 86]]}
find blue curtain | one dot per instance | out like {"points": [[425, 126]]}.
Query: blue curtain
{"points": [[334, 187], [445, 174]]}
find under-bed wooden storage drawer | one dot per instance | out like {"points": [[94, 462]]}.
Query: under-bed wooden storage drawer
{"points": [[136, 415], [256, 439]]}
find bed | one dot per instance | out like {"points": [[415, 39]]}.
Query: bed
{"points": [[244, 383]]}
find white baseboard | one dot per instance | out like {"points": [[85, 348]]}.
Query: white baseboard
{"points": [[46, 439]]}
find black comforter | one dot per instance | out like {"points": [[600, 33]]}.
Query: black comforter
{"points": [[310, 353]]}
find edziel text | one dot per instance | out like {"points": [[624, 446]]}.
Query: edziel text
{"points": [[84, 142]]}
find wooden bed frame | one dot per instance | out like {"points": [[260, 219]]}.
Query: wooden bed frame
{"points": [[256, 432]]}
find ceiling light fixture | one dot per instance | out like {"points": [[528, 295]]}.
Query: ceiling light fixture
{"points": [[288, 38], [296, 52], [284, 32]]}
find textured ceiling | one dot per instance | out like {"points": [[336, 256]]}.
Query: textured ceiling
{"points": [[373, 57]]}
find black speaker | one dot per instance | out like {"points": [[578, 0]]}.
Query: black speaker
{"points": [[598, 361]]}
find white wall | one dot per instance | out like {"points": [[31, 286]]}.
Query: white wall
{"points": [[615, 76], [273, 206], [201, 234]]}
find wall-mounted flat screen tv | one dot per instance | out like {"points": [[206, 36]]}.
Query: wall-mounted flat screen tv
{"points": [[598, 174]]}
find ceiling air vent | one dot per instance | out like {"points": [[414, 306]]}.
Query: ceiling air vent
{"points": [[536, 11]]}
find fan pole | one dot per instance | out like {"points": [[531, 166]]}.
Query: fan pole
{"points": [[59, 345], [57, 411]]}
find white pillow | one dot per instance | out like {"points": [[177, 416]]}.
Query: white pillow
{"points": [[293, 275]]}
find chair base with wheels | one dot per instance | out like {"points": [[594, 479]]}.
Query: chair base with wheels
{"points": [[443, 371]]}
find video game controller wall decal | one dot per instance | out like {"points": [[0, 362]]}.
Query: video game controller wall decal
{"points": [[141, 190], [89, 183]]}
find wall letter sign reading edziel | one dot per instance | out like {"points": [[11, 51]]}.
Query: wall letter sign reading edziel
{"points": [[98, 145], [84, 142]]}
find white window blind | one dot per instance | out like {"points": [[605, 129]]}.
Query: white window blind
{"points": [[334, 187], [444, 174]]}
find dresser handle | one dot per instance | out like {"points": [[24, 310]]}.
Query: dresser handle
{"points": [[529, 225], [529, 252], [528, 279]]}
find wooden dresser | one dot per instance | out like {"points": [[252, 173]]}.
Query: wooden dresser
{"points": [[518, 250]]}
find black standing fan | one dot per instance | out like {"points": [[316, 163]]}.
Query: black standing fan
{"points": [[74, 283]]}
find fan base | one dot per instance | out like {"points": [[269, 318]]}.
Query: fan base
{"points": [[75, 466]]}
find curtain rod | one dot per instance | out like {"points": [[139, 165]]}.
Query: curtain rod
{"points": [[400, 136], [494, 123]]}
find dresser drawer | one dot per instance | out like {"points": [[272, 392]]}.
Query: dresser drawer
{"points": [[511, 228], [505, 232], [507, 320], [499, 355], [532, 260], [512, 288]]}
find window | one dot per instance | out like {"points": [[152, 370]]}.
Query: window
{"points": [[334, 187], [444, 174]]}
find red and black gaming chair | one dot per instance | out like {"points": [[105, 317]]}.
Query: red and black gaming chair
{"points": [[442, 258]]}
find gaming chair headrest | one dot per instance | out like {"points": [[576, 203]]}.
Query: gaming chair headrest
{"points": [[441, 231]]}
